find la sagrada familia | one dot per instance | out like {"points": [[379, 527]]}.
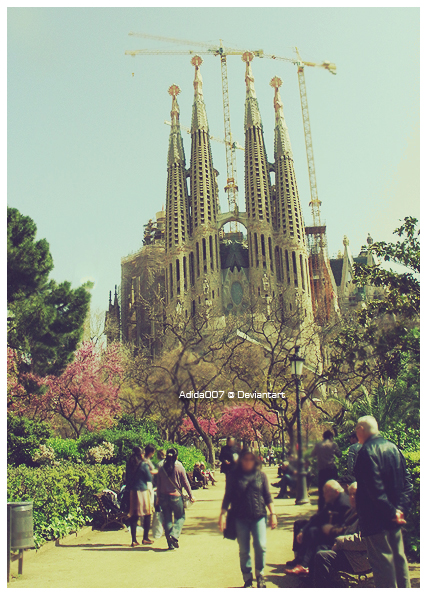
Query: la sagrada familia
{"points": [[190, 264]]}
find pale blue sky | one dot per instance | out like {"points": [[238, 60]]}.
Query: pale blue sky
{"points": [[87, 145]]}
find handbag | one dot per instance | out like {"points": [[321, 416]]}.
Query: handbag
{"points": [[157, 528], [185, 498]]}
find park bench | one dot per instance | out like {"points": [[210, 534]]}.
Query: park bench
{"points": [[195, 485], [110, 517]]}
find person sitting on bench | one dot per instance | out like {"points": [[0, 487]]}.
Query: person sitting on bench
{"points": [[348, 552], [311, 535], [287, 480]]}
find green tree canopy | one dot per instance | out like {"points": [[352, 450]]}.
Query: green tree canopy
{"points": [[45, 318], [29, 262]]}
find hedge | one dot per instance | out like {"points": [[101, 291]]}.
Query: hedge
{"points": [[412, 527], [62, 495]]}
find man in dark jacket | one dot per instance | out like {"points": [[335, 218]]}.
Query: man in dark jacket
{"points": [[325, 451], [311, 535], [228, 456], [383, 499], [348, 553]]}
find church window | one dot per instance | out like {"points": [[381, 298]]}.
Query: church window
{"points": [[270, 253], [211, 258], [198, 259], [184, 265], [302, 272], [191, 267], [256, 249], [294, 265], [177, 277]]}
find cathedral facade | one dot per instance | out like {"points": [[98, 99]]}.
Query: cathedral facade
{"points": [[197, 266], [222, 273]]}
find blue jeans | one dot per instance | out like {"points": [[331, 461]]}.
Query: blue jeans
{"points": [[172, 505], [258, 528]]}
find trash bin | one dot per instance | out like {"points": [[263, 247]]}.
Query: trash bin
{"points": [[19, 531], [21, 521]]}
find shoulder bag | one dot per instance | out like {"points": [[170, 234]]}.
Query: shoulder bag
{"points": [[185, 498]]}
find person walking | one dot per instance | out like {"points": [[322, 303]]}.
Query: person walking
{"points": [[248, 493], [138, 478], [149, 451], [171, 479], [353, 450], [228, 457], [325, 451], [383, 499]]}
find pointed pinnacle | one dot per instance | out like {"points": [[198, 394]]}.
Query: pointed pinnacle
{"points": [[249, 77], [174, 91], [197, 61], [282, 142]]}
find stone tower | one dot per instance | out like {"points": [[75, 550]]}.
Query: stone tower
{"points": [[258, 196], [112, 319], [177, 235], [204, 261], [290, 251]]}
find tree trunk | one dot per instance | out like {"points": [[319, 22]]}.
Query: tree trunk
{"points": [[290, 432], [205, 437]]}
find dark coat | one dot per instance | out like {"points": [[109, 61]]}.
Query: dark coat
{"points": [[139, 479], [383, 485], [226, 454], [248, 494], [334, 513]]}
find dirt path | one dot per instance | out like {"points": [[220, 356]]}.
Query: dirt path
{"points": [[204, 559]]}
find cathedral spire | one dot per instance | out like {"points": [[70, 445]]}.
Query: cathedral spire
{"points": [[282, 142], [177, 215], [203, 189], [199, 119], [257, 177], [176, 147], [288, 209], [252, 113]]}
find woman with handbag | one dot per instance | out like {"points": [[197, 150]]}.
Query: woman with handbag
{"points": [[171, 479], [138, 477], [248, 493]]}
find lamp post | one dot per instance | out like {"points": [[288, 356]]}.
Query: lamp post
{"points": [[297, 364], [282, 417]]}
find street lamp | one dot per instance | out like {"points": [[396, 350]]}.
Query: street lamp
{"points": [[282, 423], [297, 364]]}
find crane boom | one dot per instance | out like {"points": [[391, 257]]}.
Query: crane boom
{"points": [[315, 202], [221, 51], [231, 187]]}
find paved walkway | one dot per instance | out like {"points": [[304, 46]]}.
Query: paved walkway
{"points": [[204, 559]]}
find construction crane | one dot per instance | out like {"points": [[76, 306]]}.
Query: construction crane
{"points": [[215, 138], [321, 273], [322, 289], [231, 187]]}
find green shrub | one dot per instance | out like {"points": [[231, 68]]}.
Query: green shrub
{"points": [[407, 439], [24, 436], [62, 495], [123, 441], [130, 422], [412, 527], [65, 449], [187, 455]]}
